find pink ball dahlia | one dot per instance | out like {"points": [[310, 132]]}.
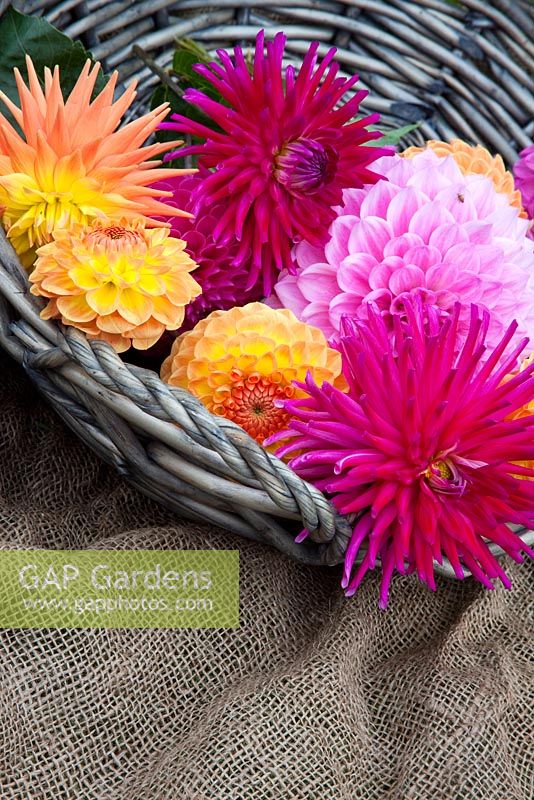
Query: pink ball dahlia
{"points": [[421, 448], [428, 230], [284, 150], [524, 178], [224, 284]]}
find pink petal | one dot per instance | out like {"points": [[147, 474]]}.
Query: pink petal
{"points": [[423, 256], [478, 232], [318, 314], [344, 304], [289, 294], [445, 236], [402, 208], [306, 254], [370, 236], [380, 275], [378, 198], [428, 218], [352, 201], [430, 181], [401, 244], [338, 244], [442, 276], [318, 282], [353, 274], [406, 279]]}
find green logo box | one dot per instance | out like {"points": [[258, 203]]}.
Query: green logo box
{"points": [[119, 589]]}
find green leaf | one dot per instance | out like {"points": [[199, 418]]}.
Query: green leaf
{"points": [[201, 55], [20, 35], [393, 137]]}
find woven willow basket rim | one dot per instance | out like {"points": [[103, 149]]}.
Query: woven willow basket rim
{"points": [[162, 439]]}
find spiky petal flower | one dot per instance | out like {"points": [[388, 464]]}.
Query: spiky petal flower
{"points": [[524, 179], [224, 284], [475, 160], [284, 150], [71, 165], [427, 231], [421, 448], [242, 361], [119, 282]]}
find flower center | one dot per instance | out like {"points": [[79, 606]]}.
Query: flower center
{"points": [[443, 476], [304, 166], [251, 402], [115, 236]]}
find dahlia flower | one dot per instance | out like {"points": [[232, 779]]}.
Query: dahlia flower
{"points": [[524, 178], [475, 160], [429, 231], [283, 153], [526, 410], [421, 447], [223, 283], [119, 282], [242, 361], [71, 165]]}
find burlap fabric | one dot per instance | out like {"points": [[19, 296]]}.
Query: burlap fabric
{"points": [[313, 698]]}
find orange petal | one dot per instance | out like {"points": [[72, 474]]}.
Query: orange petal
{"points": [[164, 311], [144, 336], [113, 323], [75, 308], [59, 283]]}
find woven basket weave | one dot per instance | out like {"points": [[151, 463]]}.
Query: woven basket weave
{"points": [[459, 70]]}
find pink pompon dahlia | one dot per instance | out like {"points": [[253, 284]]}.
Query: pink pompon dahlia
{"points": [[284, 150], [224, 284], [421, 448], [427, 231], [524, 178]]}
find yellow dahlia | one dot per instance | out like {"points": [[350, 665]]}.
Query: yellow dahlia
{"points": [[71, 164], [119, 282], [475, 161], [241, 362], [525, 411]]}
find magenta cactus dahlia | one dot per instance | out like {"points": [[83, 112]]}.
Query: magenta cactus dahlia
{"points": [[284, 151], [422, 447], [524, 179], [428, 230], [224, 284]]}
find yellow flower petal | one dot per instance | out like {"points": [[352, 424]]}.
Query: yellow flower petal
{"points": [[134, 306], [242, 362], [105, 299], [84, 278]]}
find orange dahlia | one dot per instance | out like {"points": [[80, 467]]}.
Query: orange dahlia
{"points": [[241, 363], [475, 161], [71, 164], [119, 282]]}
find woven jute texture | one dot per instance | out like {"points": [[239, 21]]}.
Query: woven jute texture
{"points": [[314, 697]]}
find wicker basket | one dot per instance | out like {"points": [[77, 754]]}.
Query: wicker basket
{"points": [[459, 69]]}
